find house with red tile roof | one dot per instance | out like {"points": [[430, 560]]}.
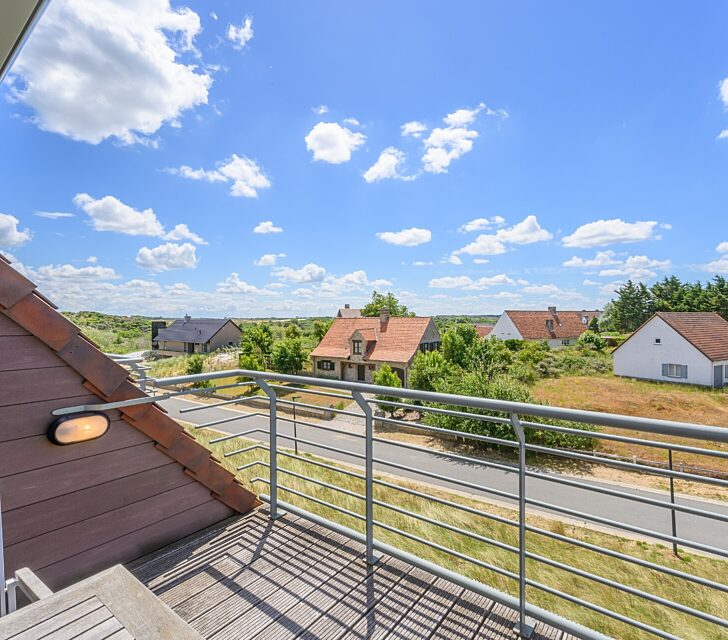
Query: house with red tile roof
{"points": [[683, 347], [354, 348], [483, 329], [558, 328]]}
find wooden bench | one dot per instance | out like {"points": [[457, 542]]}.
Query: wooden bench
{"points": [[112, 604]]}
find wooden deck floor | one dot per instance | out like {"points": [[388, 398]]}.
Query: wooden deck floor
{"points": [[254, 579]]}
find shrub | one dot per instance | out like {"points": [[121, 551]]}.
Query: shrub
{"points": [[385, 377], [427, 368], [195, 365], [592, 340]]}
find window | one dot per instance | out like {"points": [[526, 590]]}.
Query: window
{"points": [[658, 340], [424, 347], [566, 342], [356, 347], [325, 365], [725, 374], [675, 370]]}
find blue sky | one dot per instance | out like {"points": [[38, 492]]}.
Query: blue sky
{"points": [[551, 152]]}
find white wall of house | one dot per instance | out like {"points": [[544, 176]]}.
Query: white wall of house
{"points": [[504, 329], [642, 356]]}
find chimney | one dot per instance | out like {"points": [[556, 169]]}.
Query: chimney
{"points": [[156, 326], [347, 306], [552, 310], [187, 318], [383, 319], [550, 325]]}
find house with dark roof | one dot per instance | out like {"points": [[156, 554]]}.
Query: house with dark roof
{"points": [[686, 347], [194, 335], [558, 328], [354, 348], [348, 312]]}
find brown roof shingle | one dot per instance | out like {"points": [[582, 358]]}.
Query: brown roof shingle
{"points": [[20, 302], [532, 325], [398, 343], [706, 331]]}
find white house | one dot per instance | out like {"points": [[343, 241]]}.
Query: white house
{"points": [[686, 347], [558, 328]]}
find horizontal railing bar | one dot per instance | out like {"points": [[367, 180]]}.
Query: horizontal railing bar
{"points": [[232, 436], [252, 447], [321, 483], [252, 464], [663, 504], [627, 527], [666, 427], [315, 425], [315, 392], [440, 411], [223, 403], [640, 468], [306, 496], [315, 406], [242, 416], [330, 467], [322, 446], [500, 597], [437, 476], [448, 432]]}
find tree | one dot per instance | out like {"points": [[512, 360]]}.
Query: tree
{"points": [[292, 331], [594, 324], [289, 356], [380, 301], [257, 341], [490, 358], [320, 328], [385, 377], [194, 366], [592, 340], [427, 368], [251, 362], [457, 344], [632, 307]]}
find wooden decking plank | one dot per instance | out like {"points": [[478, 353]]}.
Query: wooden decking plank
{"points": [[81, 626], [463, 620], [499, 624], [153, 568], [424, 618], [347, 612], [333, 591], [203, 577], [31, 630], [121, 634], [544, 632], [99, 632], [386, 614], [260, 580], [288, 594]]}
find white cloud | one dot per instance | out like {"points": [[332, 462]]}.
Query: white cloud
{"points": [[722, 247], [452, 259], [614, 231], [407, 237], [182, 232], [240, 36], [333, 143], [388, 166], [637, 268], [267, 226], [268, 259], [308, 273], [590, 283], [245, 176], [96, 69], [234, 285], [111, 214], [481, 224], [723, 134], [68, 273], [413, 128], [352, 122], [92, 259], [480, 261], [483, 245], [54, 215], [718, 266], [466, 282], [420, 263], [320, 110], [445, 144], [542, 289], [167, 257], [527, 231], [10, 235], [601, 259]]}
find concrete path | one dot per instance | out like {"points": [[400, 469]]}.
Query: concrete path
{"points": [[700, 529]]}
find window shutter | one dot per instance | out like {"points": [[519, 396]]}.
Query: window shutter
{"points": [[318, 364], [664, 371], [684, 371]]}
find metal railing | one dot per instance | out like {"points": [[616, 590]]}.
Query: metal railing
{"points": [[527, 474]]}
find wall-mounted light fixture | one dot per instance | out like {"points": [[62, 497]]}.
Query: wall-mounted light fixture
{"points": [[78, 427]]}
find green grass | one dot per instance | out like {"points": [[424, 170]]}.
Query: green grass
{"points": [[653, 582]]}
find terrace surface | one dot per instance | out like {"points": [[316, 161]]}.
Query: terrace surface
{"points": [[252, 578]]}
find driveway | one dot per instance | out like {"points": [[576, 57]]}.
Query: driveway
{"points": [[699, 529]]}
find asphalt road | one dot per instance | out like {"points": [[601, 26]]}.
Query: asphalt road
{"points": [[697, 528]]}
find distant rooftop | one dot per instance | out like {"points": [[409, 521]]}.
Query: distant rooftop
{"points": [[192, 329]]}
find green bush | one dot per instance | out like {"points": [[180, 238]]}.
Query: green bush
{"points": [[592, 340], [385, 377], [195, 365]]}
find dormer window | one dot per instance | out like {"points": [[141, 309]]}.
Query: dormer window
{"points": [[356, 347], [658, 340]]}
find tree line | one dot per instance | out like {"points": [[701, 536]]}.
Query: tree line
{"points": [[636, 302]]}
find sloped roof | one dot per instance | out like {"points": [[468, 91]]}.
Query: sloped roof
{"points": [[193, 329], [706, 331], [483, 329], [348, 312], [398, 343], [20, 302], [532, 324]]}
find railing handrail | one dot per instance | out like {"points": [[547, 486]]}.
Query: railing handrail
{"points": [[650, 425]]}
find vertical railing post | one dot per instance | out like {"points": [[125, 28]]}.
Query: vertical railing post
{"points": [[368, 474], [142, 379], [524, 627], [272, 447], [672, 502], [3, 596]]}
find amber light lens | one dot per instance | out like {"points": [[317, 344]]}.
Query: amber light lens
{"points": [[78, 428]]}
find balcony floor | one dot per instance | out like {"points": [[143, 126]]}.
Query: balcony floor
{"points": [[250, 578]]}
